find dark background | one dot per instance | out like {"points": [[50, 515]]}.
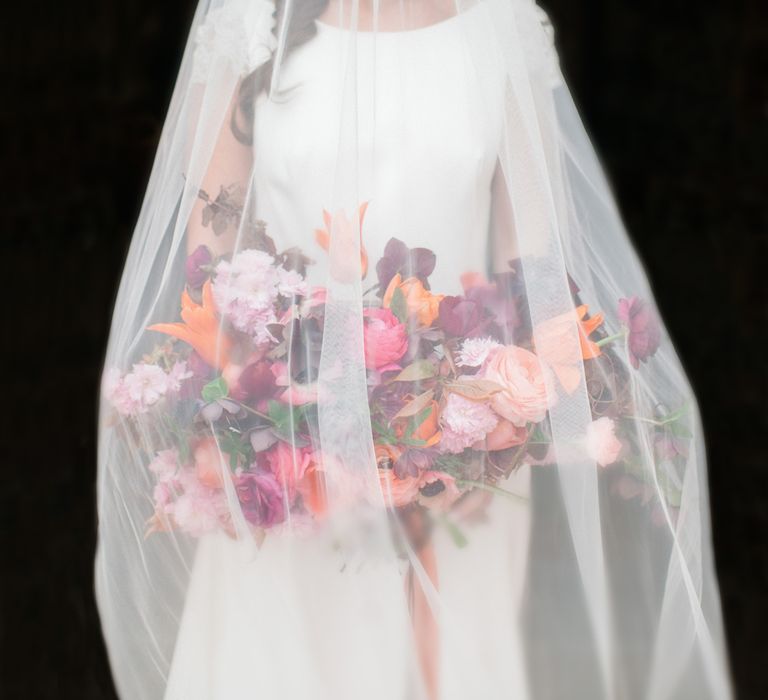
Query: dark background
{"points": [[675, 98]]}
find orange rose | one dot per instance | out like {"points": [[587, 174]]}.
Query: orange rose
{"points": [[419, 301]]}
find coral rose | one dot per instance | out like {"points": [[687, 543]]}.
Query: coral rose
{"points": [[419, 301], [503, 436], [288, 464], [527, 385], [385, 339]]}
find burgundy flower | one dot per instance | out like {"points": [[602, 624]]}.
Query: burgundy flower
{"points": [[261, 498], [498, 303], [460, 317], [413, 461], [644, 329], [257, 380], [197, 267], [409, 262]]}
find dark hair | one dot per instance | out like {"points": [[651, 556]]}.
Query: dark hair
{"points": [[300, 29]]}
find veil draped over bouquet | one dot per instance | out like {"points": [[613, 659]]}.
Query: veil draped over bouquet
{"points": [[388, 410]]}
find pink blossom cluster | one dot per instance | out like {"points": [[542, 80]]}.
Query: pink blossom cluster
{"points": [[247, 288], [143, 387]]}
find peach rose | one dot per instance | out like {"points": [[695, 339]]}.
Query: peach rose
{"points": [[419, 301], [209, 463], [527, 385], [602, 444], [505, 435]]}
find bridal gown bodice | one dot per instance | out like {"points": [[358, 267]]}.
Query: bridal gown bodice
{"points": [[408, 141], [426, 171]]}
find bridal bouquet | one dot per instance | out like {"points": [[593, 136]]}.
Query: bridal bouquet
{"points": [[459, 388]]}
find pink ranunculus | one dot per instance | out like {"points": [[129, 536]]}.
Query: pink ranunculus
{"points": [[602, 444], [438, 490], [209, 463], [385, 339], [505, 435], [464, 423], [643, 326], [528, 388], [288, 464]]}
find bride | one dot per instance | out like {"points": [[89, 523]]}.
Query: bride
{"points": [[388, 411]]}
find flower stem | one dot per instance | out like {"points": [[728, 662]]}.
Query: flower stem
{"points": [[492, 489], [610, 339]]}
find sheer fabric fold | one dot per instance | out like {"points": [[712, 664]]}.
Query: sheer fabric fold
{"points": [[388, 410]]}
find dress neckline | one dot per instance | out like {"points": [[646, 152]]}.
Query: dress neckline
{"points": [[419, 32]]}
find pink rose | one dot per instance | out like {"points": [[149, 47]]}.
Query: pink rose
{"points": [[384, 337], [288, 464], [602, 444], [527, 385]]}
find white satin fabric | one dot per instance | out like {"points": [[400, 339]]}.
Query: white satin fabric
{"points": [[421, 162], [280, 622]]}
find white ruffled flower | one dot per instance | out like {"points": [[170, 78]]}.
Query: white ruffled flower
{"points": [[474, 351], [240, 32]]}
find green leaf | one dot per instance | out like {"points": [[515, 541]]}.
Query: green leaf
{"points": [[421, 369], [215, 390], [475, 390], [398, 305], [416, 405]]}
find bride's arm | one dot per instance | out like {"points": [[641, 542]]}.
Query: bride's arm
{"points": [[230, 164]]}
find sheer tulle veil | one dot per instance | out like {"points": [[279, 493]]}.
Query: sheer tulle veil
{"points": [[388, 410]]}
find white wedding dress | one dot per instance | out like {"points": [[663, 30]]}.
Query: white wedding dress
{"points": [[282, 622]]}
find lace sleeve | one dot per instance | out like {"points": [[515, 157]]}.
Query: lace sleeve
{"points": [[240, 33], [543, 46]]}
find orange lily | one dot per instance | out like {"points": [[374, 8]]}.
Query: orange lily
{"points": [[550, 346], [345, 229], [200, 329]]}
